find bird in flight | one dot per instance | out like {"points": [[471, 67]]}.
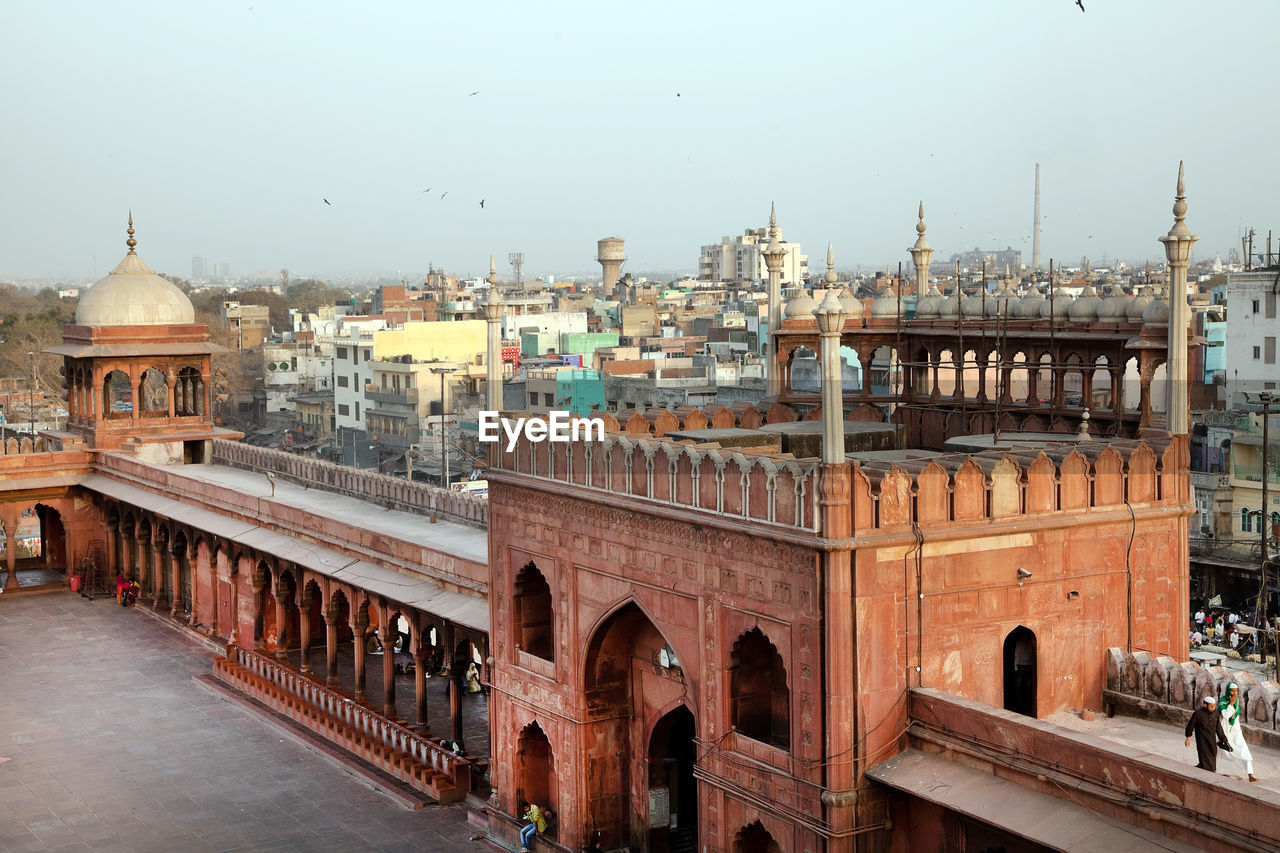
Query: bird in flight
{"points": [[1080, 3], [326, 201], [427, 190], [443, 194], [473, 94], [482, 204]]}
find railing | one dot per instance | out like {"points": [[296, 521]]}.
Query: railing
{"points": [[366, 485], [423, 751]]}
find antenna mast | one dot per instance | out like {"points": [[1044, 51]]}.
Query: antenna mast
{"points": [[516, 259]]}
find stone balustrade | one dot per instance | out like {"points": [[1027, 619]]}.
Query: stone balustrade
{"points": [[367, 485], [1157, 686]]}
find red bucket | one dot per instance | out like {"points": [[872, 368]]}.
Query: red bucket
{"points": [[75, 583]]}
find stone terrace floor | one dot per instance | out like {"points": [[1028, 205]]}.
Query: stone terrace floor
{"points": [[1167, 741], [107, 744]]}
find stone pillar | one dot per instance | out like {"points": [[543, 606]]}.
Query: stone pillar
{"points": [[420, 685], [10, 515], [388, 633], [330, 613], [304, 627], [193, 563], [1177, 251], [126, 552], [171, 383], [158, 554], [359, 622], [175, 580], [282, 618], [259, 635], [774, 254], [830, 315], [843, 725], [144, 567]]}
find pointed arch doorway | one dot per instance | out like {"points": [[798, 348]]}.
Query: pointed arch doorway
{"points": [[637, 738], [1020, 671]]}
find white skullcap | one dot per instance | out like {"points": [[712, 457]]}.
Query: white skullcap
{"points": [[1208, 699]]}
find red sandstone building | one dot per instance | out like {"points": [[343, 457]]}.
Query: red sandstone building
{"points": [[706, 638], [722, 630]]}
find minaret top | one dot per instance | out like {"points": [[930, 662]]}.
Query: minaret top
{"points": [[831, 276], [493, 271], [921, 242], [131, 243], [1180, 228]]}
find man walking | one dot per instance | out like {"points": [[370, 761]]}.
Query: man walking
{"points": [[1229, 707], [1206, 725]]}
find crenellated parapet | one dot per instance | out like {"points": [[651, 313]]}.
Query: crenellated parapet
{"points": [[772, 489]]}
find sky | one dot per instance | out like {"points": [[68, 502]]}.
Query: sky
{"points": [[225, 126]]}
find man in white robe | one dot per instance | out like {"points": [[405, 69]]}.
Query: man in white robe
{"points": [[1230, 707]]}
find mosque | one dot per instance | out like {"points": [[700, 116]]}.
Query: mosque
{"points": [[819, 625]]}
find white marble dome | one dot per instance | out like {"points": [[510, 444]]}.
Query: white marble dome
{"points": [[133, 294], [1139, 303], [1061, 305], [1085, 308], [800, 306], [1114, 309], [929, 305], [1157, 312], [1029, 305], [886, 304]]}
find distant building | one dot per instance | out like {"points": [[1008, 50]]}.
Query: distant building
{"points": [[249, 324], [1250, 351], [199, 268], [996, 259], [222, 271], [740, 258]]}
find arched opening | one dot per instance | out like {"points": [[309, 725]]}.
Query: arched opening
{"points": [[1020, 671], [1102, 394], [533, 618], [630, 673], [948, 373], [188, 394], [1131, 386], [181, 557], [803, 370], [754, 838], [1047, 380], [1160, 389], [922, 373], [671, 784], [117, 395], [154, 391], [758, 690], [536, 768], [1073, 383]]}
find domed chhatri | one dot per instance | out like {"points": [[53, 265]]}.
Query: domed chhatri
{"points": [[133, 294]]}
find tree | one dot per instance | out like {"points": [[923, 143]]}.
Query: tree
{"points": [[309, 294]]}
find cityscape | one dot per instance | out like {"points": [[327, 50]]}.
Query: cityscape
{"points": [[599, 435]]}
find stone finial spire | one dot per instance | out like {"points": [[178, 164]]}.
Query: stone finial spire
{"points": [[774, 255], [773, 219], [131, 243], [830, 278], [920, 226], [1177, 251], [921, 253], [1180, 228], [493, 271]]}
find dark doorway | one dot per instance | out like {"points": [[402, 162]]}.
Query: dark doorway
{"points": [[673, 792], [1020, 671], [754, 838]]}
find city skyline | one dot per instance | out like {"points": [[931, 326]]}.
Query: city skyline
{"points": [[668, 130]]}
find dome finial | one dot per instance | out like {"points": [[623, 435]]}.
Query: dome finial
{"points": [[131, 243], [831, 276], [493, 270], [773, 215], [1179, 228]]}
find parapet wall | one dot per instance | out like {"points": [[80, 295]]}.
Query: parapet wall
{"points": [[367, 485], [995, 485], [775, 490], [1157, 686]]}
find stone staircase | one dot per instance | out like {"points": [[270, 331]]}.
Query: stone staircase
{"points": [[387, 745]]}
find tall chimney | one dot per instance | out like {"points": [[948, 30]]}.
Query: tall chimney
{"points": [[1035, 226]]}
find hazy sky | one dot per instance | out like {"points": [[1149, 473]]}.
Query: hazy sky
{"points": [[224, 125]]}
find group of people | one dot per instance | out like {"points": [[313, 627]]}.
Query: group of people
{"points": [[1216, 725], [1222, 630]]}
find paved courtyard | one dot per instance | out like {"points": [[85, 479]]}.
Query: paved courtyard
{"points": [[108, 744]]}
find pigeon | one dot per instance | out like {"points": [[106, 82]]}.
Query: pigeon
{"points": [[427, 190], [1080, 3], [443, 194], [482, 204], [326, 201], [473, 94]]}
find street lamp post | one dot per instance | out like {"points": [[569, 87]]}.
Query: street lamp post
{"points": [[1266, 398]]}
